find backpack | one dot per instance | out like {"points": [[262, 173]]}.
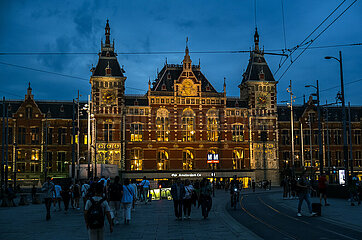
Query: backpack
{"points": [[95, 215]]}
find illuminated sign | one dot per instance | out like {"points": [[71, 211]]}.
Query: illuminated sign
{"points": [[213, 158], [185, 174], [342, 177]]}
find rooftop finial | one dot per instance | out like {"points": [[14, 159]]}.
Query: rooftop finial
{"points": [[187, 60], [256, 39], [107, 33]]}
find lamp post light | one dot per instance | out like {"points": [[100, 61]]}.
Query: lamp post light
{"points": [[345, 146], [320, 152], [87, 108]]}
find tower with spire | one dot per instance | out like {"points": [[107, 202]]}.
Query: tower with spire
{"points": [[258, 89], [108, 102]]}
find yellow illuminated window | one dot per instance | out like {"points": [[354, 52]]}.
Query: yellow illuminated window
{"points": [[238, 159], [238, 133], [136, 132], [188, 126], [35, 154], [187, 159], [86, 139], [136, 158], [162, 125], [162, 160], [212, 125]]}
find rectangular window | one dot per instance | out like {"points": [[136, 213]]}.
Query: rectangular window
{"points": [[136, 132], [10, 135], [21, 135], [285, 137], [20, 166], [34, 135], [108, 132], [136, 159], [296, 137], [62, 133], [61, 163], [357, 137], [238, 133]]}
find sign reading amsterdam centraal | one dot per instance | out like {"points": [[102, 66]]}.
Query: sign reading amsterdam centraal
{"points": [[185, 174], [212, 158]]}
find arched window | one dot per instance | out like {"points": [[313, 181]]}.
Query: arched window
{"points": [[162, 125], [162, 160], [212, 125], [136, 158], [188, 159], [188, 125], [238, 159]]}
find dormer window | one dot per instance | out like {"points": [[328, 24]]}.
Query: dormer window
{"points": [[207, 88], [261, 75], [136, 102], [163, 87], [28, 112], [62, 108], [168, 76], [107, 54], [108, 71]]}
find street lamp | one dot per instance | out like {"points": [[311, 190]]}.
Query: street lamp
{"points": [[320, 155], [345, 147]]}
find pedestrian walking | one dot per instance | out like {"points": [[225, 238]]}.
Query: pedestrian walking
{"points": [[303, 188], [145, 186], [187, 201], [33, 193], [128, 196], [96, 209], [205, 197], [322, 188], [66, 195], [76, 195], [84, 191], [57, 196], [353, 188], [253, 185], [48, 188], [115, 197], [178, 194], [134, 185]]}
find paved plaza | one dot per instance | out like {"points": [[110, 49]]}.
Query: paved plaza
{"points": [[154, 221], [157, 221]]}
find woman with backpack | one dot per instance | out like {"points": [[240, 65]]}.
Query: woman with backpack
{"points": [[128, 196], [96, 209], [189, 191]]}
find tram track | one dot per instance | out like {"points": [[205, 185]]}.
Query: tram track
{"points": [[265, 223]]}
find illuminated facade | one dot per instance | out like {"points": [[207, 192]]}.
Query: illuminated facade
{"points": [[170, 130]]}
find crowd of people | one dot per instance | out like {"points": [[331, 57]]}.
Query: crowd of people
{"points": [[186, 194], [303, 188]]}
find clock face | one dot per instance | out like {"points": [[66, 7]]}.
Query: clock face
{"points": [[187, 88], [109, 97], [262, 100]]}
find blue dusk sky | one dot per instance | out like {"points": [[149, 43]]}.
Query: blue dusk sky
{"points": [[162, 26]]}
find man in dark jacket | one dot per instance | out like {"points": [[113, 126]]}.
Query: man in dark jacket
{"points": [[178, 193]]}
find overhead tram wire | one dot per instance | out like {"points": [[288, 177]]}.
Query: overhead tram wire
{"points": [[179, 52], [303, 42], [285, 38], [313, 40], [336, 86], [55, 73]]}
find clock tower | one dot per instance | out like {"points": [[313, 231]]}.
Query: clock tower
{"points": [[258, 89], [108, 87]]}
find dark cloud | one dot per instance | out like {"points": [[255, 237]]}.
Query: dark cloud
{"points": [[57, 62]]}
